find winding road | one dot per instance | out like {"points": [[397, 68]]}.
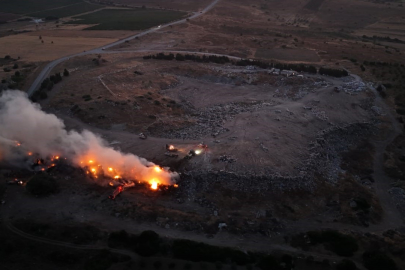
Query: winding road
{"points": [[45, 72]]}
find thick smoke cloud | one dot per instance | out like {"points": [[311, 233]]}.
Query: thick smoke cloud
{"points": [[39, 132]]}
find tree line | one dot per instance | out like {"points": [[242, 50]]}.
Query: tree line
{"points": [[248, 62], [48, 84]]}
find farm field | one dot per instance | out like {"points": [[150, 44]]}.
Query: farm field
{"points": [[30, 6], [187, 5], [131, 19], [67, 11], [30, 48]]}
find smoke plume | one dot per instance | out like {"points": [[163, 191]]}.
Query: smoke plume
{"points": [[23, 122]]}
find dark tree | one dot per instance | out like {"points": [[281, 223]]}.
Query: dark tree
{"points": [[66, 72]]}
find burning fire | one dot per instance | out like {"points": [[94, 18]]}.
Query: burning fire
{"points": [[171, 147], [154, 184], [198, 151]]}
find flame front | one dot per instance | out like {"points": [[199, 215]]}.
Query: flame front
{"points": [[154, 184]]}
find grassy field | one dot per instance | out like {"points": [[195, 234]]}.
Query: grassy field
{"points": [[31, 49], [67, 11], [30, 6], [124, 19]]}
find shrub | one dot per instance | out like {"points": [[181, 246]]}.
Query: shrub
{"points": [[42, 185], [157, 264], [66, 72], [43, 95], [148, 243], [377, 260], [118, 239], [346, 265], [195, 251], [269, 262], [341, 244]]}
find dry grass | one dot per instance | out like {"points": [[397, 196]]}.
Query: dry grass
{"points": [[30, 48]]}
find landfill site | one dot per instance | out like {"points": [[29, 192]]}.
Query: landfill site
{"points": [[242, 141]]}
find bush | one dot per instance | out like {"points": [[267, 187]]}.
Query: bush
{"points": [[378, 260], [269, 262], [333, 72], [346, 265], [102, 261], [66, 72], [42, 185], [15, 66], [341, 244], [118, 239], [157, 264], [148, 243], [43, 95], [195, 251]]}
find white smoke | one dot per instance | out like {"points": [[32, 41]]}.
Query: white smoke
{"points": [[24, 122]]}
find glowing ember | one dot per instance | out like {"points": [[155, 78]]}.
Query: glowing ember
{"points": [[93, 170], [158, 169], [111, 184], [175, 185], [198, 151], [91, 161], [30, 153], [110, 169], [154, 185], [171, 147], [117, 177], [43, 169], [57, 157]]}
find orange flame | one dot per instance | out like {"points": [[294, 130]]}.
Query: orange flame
{"points": [[154, 185], [158, 169], [117, 177]]}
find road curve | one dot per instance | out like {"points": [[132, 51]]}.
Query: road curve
{"points": [[45, 72]]}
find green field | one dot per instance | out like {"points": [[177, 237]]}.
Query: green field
{"points": [[67, 11], [30, 6], [127, 19]]}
